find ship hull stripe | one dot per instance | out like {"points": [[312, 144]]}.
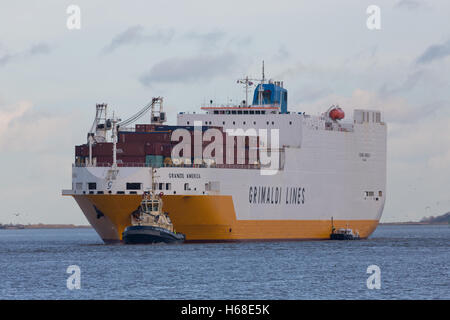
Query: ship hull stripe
{"points": [[212, 218]]}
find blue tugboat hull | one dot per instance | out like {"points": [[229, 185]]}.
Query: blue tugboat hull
{"points": [[149, 235], [337, 236]]}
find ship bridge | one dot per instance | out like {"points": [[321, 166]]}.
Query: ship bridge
{"points": [[267, 111], [268, 98]]}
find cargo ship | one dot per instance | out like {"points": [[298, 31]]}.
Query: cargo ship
{"points": [[324, 171]]}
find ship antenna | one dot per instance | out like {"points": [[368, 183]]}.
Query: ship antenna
{"points": [[260, 91], [246, 91], [263, 77], [247, 82]]}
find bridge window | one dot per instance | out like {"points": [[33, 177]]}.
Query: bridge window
{"points": [[92, 185], [133, 186]]}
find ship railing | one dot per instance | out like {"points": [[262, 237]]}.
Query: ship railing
{"points": [[166, 165], [127, 129]]}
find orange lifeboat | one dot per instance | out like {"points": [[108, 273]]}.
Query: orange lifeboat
{"points": [[336, 113]]}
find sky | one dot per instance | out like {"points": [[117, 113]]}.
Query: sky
{"points": [[127, 52]]}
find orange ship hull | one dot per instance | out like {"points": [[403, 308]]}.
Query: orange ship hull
{"points": [[207, 218]]}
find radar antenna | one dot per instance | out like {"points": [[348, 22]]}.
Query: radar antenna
{"points": [[247, 83]]}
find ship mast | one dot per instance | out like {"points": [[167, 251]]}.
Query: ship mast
{"points": [[261, 90], [153, 182], [247, 83], [114, 122]]}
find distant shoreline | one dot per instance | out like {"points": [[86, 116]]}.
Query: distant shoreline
{"points": [[42, 226], [412, 223], [73, 226]]}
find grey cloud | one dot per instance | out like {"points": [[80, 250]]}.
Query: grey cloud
{"points": [[4, 59], [138, 35], [208, 39], [240, 41], [310, 93], [409, 4], [411, 81], [434, 52], [293, 71], [282, 53], [217, 40], [40, 48], [189, 69], [36, 49], [417, 113]]}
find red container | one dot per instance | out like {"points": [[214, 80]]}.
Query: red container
{"points": [[101, 149], [131, 160], [81, 151], [104, 160], [131, 149]]}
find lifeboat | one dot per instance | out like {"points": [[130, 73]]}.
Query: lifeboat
{"points": [[336, 113]]}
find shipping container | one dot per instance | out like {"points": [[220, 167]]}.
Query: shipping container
{"points": [[154, 161]]}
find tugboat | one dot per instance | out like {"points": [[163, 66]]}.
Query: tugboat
{"points": [[149, 224], [343, 233]]}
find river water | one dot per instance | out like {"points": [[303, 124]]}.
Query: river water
{"points": [[413, 262]]}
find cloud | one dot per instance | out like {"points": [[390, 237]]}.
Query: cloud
{"points": [[36, 49], [240, 41], [5, 59], [9, 114], [201, 67], [23, 128], [309, 93], [40, 48], [411, 81], [136, 35], [208, 39], [394, 109], [282, 54], [409, 4], [434, 52]]}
